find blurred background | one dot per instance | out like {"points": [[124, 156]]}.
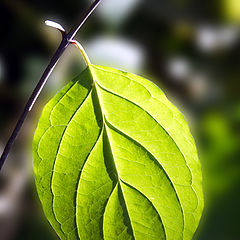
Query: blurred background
{"points": [[190, 48]]}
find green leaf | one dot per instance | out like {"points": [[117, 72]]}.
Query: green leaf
{"points": [[114, 159]]}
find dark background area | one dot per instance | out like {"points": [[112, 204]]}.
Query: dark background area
{"points": [[190, 48]]}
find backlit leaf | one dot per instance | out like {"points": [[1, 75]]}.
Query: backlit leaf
{"points": [[114, 159]]}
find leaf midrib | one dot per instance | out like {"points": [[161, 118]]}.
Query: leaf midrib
{"points": [[105, 122], [118, 178]]}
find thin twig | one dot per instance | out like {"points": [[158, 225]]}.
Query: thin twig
{"points": [[66, 40]]}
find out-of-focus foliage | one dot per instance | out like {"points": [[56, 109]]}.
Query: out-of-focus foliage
{"points": [[221, 153], [231, 10], [191, 49]]}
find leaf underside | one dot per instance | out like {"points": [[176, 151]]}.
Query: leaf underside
{"points": [[114, 159]]}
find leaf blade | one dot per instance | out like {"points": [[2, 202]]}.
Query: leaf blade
{"points": [[169, 118], [131, 127]]}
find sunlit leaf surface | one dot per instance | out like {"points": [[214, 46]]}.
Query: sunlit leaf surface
{"points": [[114, 159]]}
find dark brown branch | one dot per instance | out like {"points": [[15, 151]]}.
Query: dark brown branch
{"points": [[66, 40]]}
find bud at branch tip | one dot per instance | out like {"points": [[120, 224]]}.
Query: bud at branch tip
{"points": [[55, 25]]}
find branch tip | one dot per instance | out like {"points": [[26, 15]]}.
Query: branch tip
{"points": [[55, 25]]}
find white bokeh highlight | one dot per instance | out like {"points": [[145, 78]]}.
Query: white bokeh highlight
{"points": [[116, 52], [115, 12]]}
